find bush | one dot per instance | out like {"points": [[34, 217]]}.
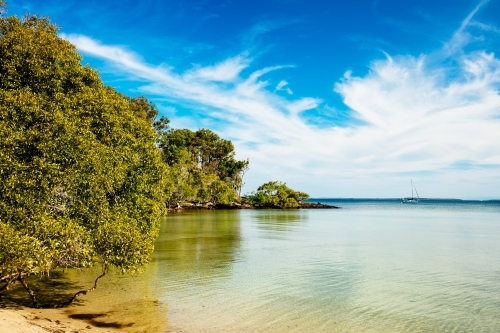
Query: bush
{"points": [[276, 194]]}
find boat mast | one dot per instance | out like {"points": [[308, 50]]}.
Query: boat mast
{"points": [[411, 184]]}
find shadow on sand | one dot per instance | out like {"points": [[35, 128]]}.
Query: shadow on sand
{"points": [[106, 310]]}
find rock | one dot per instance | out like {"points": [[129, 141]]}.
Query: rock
{"points": [[319, 205], [236, 205]]}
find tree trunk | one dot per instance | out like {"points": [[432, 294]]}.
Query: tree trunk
{"points": [[30, 292]]}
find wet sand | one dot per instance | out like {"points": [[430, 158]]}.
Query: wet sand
{"points": [[27, 320], [121, 303]]}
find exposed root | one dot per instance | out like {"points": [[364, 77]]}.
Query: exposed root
{"points": [[32, 294], [84, 292]]}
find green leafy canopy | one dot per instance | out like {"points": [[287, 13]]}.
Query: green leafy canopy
{"points": [[81, 177], [276, 194], [203, 167]]}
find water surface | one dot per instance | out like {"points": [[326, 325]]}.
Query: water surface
{"points": [[373, 266]]}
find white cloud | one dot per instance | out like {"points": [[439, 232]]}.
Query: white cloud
{"points": [[420, 123], [113, 53], [303, 104], [227, 70], [282, 85], [420, 119]]}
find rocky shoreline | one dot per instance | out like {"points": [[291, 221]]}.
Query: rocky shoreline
{"points": [[235, 205]]}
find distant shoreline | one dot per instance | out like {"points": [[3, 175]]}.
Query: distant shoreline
{"points": [[395, 199], [233, 206]]}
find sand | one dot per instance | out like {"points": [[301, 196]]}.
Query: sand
{"points": [[26, 320], [121, 303]]}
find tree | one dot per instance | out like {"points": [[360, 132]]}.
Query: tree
{"points": [[233, 171], [211, 150], [81, 179], [141, 104], [176, 144], [213, 190], [182, 185], [276, 194], [205, 147], [206, 162]]}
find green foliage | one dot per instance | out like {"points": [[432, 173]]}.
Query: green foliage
{"points": [[205, 148], [177, 144], [141, 104], [276, 194], [182, 181], [212, 189], [233, 171], [202, 167], [81, 179]]}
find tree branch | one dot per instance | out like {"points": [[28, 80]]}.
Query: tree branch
{"points": [[12, 280], [36, 305], [8, 277]]}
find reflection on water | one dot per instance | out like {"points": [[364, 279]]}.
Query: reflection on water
{"points": [[198, 245], [280, 220]]}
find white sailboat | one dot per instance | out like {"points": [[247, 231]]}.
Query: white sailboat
{"points": [[411, 199]]}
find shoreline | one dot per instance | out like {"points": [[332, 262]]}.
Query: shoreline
{"points": [[30, 320], [187, 206], [121, 303]]}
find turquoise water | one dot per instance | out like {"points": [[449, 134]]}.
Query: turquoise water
{"points": [[373, 266]]}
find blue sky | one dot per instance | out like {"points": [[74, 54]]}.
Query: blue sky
{"points": [[336, 98]]}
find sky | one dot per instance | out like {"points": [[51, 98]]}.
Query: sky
{"points": [[344, 99]]}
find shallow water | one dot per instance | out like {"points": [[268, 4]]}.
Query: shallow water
{"points": [[370, 267], [374, 266]]}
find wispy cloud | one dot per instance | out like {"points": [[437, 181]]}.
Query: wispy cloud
{"points": [[486, 27], [415, 117], [228, 70], [461, 37], [262, 28], [282, 85], [306, 103], [469, 17]]}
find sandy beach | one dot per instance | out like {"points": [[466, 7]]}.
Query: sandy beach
{"points": [[121, 303], [26, 320]]}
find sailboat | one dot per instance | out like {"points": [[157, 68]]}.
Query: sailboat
{"points": [[411, 199]]}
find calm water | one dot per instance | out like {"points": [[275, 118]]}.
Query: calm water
{"points": [[373, 266]]}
